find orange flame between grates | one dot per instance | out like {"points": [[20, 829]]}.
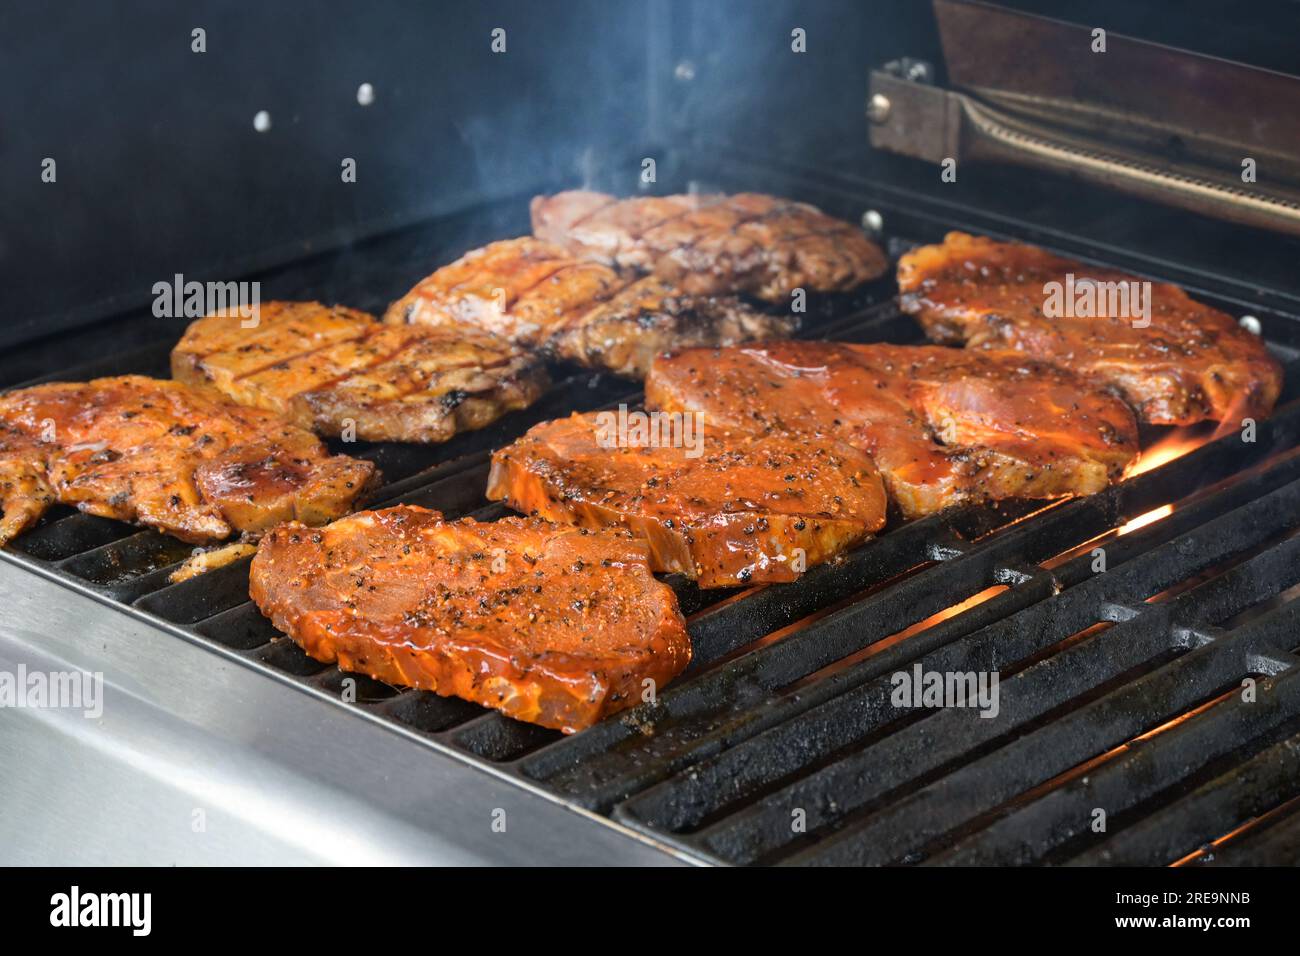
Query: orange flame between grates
{"points": [[1177, 443]]}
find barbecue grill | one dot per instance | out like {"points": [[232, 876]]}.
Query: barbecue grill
{"points": [[1145, 639]]}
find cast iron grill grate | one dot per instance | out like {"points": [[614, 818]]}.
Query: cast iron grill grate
{"points": [[1121, 692]]}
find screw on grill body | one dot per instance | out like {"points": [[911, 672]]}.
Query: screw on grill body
{"points": [[878, 108], [262, 121], [365, 94], [1251, 324], [873, 223]]}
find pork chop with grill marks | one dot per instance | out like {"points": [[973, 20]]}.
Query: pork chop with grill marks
{"points": [[554, 625], [322, 367], [163, 455], [944, 426], [711, 245], [725, 510], [1189, 364], [540, 298]]}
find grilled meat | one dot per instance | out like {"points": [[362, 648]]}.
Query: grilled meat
{"points": [[725, 510], [541, 298], [944, 426], [522, 289], [165, 456], [1189, 364], [552, 625], [711, 245], [323, 367], [625, 332], [201, 562], [25, 492]]}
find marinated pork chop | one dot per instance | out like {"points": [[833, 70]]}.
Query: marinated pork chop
{"points": [[323, 367], [540, 298], [556, 626], [724, 510], [165, 456], [711, 245], [1190, 363], [944, 426], [626, 331]]}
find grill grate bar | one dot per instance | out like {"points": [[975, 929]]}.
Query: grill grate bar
{"points": [[1212, 809], [1272, 843], [1140, 774], [241, 628], [69, 536], [843, 722], [685, 801], [1121, 715]]}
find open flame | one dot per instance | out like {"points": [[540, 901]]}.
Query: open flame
{"points": [[1173, 444], [1141, 521], [1177, 443], [887, 642], [948, 612]]}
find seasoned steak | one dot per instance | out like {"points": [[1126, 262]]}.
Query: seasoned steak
{"points": [[553, 625], [713, 245], [626, 331], [944, 426], [1190, 363], [337, 371], [722, 509], [163, 455], [541, 298]]}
